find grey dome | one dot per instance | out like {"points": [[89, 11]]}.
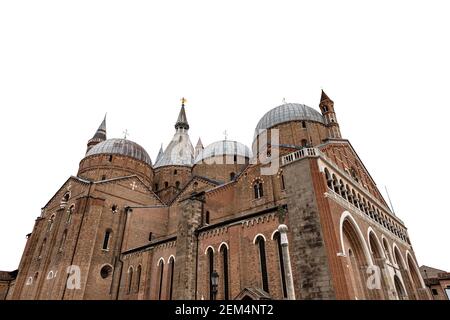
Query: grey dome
{"points": [[289, 112], [123, 147], [223, 147]]}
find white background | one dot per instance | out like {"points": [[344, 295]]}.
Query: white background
{"points": [[384, 63]]}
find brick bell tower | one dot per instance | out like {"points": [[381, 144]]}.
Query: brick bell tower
{"points": [[327, 107]]}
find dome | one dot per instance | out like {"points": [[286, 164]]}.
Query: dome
{"points": [[224, 147], [123, 147], [289, 112]]}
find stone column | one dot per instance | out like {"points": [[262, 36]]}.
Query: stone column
{"points": [[282, 228]]}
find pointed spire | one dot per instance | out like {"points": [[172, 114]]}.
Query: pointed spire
{"points": [[198, 147], [160, 154], [324, 97], [99, 136], [101, 131], [182, 122], [199, 144]]}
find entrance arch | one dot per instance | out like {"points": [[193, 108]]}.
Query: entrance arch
{"points": [[357, 255], [379, 259]]}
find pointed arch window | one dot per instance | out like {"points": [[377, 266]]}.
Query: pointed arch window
{"points": [[138, 278], [171, 272], [258, 189], [283, 185], [277, 238], [210, 254], [161, 274], [224, 254], [260, 242], [130, 279]]}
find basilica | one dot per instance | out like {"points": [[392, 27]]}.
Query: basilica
{"points": [[296, 216]]}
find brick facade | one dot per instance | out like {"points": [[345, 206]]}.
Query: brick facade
{"points": [[134, 232]]}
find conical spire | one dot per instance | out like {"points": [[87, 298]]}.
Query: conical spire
{"points": [[199, 144], [198, 147], [160, 153], [324, 97], [101, 131], [99, 136], [182, 122]]}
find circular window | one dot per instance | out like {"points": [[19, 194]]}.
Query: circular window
{"points": [[106, 271]]}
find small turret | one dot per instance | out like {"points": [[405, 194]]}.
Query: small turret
{"points": [[198, 148], [327, 107], [160, 153], [99, 136]]}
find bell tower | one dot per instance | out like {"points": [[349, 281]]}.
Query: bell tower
{"points": [[99, 136], [327, 107]]}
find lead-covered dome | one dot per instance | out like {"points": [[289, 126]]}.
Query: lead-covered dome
{"points": [[289, 112], [221, 148], [123, 147]]}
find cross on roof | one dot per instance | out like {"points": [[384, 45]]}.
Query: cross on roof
{"points": [[183, 101], [125, 133]]}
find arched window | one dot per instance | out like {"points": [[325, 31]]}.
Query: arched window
{"points": [[130, 279], [66, 197], [207, 217], [355, 198], [349, 194], [258, 189], [175, 172], [138, 278], [41, 249], [281, 260], [210, 254], [106, 239], [329, 179], [304, 124], [156, 187], [342, 190], [103, 177], [335, 184], [63, 241], [166, 184], [232, 176], [224, 254], [262, 260], [171, 270], [150, 236], [177, 184], [161, 274], [110, 158]]}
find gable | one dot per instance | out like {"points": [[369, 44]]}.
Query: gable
{"points": [[74, 186], [345, 157], [129, 188]]}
